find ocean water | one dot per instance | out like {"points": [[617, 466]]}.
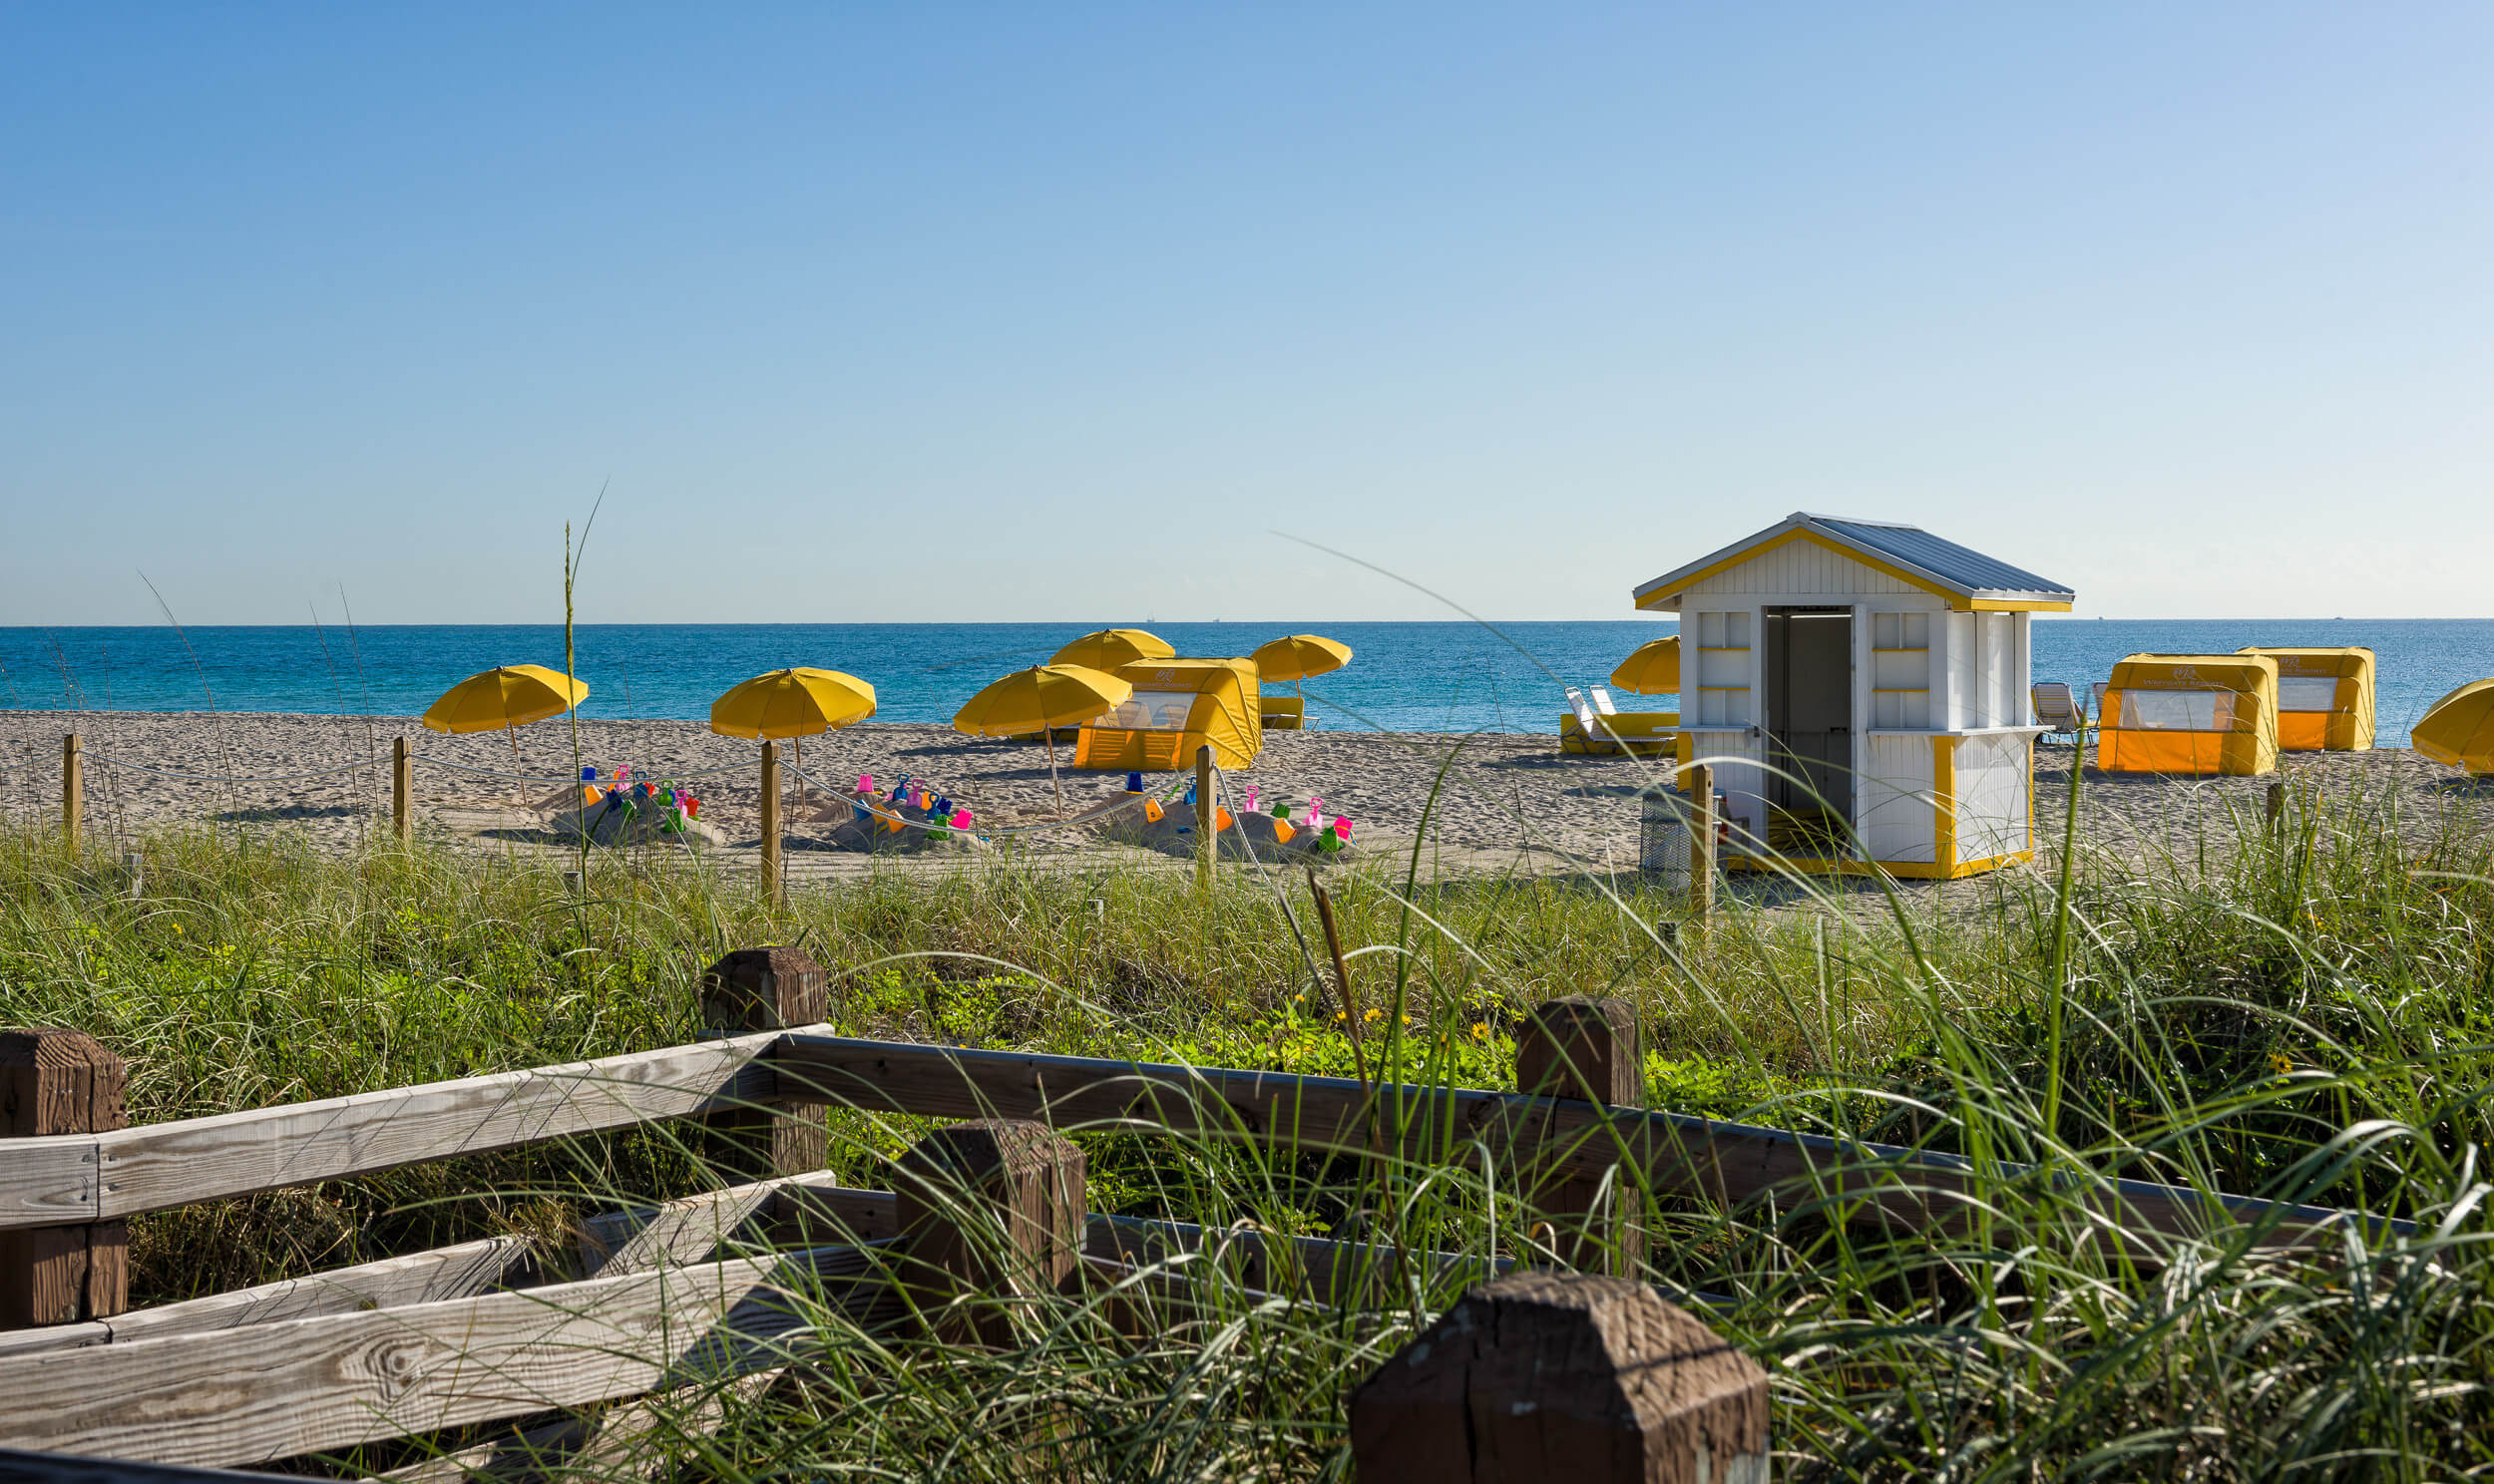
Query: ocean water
{"points": [[1406, 676]]}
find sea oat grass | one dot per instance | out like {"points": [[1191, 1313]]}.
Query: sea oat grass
{"points": [[2294, 1009]]}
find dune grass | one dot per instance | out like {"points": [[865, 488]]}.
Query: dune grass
{"points": [[2295, 1009]]}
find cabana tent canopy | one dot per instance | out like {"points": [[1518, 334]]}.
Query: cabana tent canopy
{"points": [[2189, 713], [2324, 698], [1178, 706]]}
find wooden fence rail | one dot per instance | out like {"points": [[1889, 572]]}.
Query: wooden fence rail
{"points": [[693, 1298], [1730, 1163], [46, 1180]]}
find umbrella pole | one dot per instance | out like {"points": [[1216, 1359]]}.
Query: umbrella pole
{"points": [[1048, 736]]}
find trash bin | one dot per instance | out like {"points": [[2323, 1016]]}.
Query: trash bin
{"points": [[1663, 835], [1665, 823]]}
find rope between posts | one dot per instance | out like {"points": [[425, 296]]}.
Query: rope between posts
{"points": [[1105, 810], [443, 762], [439, 762], [110, 760]]}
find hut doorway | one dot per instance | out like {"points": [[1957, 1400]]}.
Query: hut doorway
{"points": [[1810, 729]]}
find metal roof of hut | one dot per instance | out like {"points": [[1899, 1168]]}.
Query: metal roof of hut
{"points": [[1967, 579]]}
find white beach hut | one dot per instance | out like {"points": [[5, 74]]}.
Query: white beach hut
{"points": [[1861, 687]]}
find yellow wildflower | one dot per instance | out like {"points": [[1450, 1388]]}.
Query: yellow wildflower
{"points": [[1480, 1030]]}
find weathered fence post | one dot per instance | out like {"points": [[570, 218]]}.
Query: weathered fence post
{"points": [[1702, 842], [991, 1210], [1585, 1049], [766, 989], [770, 821], [403, 791], [73, 789], [1575, 1377], [1207, 838], [61, 1082]]}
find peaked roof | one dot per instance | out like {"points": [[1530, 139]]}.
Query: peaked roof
{"points": [[1963, 576]]}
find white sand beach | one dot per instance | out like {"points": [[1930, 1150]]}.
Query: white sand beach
{"points": [[1491, 801]]}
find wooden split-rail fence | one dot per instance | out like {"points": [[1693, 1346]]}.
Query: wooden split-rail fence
{"points": [[1531, 1375]]}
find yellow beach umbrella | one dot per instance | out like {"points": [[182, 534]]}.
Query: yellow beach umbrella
{"points": [[1654, 669], [2459, 728], [1037, 699], [1299, 656], [794, 703], [500, 700], [798, 702], [1111, 647]]}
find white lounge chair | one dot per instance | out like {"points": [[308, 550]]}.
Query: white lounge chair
{"points": [[1602, 701], [2056, 710]]}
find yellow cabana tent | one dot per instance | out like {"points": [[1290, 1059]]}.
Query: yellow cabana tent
{"points": [[2459, 728], [1178, 706], [2189, 713], [2324, 698], [1111, 647]]}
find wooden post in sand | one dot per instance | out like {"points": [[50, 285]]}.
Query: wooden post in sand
{"points": [[1702, 841], [773, 989], [403, 791], [770, 820], [1562, 1376], [73, 789], [990, 1212], [1207, 838], [1585, 1050], [61, 1082]]}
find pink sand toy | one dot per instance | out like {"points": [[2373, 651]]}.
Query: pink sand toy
{"points": [[1249, 804], [1316, 812], [866, 783], [622, 772], [1342, 826], [961, 819]]}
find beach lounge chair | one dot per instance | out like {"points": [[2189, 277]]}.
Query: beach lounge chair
{"points": [[2056, 710], [2096, 691], [1602, 702], [1587, 732], [1283, 713]]}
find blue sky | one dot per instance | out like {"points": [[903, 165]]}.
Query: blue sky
{"points": [[1060, 312]]}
